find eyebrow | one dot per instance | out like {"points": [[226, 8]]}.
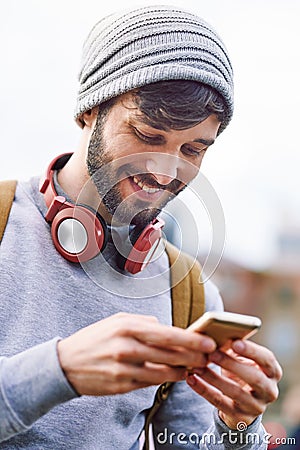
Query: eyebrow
{"points": [[207, 142]]}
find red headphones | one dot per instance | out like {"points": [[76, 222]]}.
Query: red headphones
{"points": [[79, 232]]}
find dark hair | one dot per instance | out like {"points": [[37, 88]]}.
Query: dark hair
{"points": [[173, 104], [178, 104]]}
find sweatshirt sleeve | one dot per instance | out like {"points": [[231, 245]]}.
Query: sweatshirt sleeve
{"points": [[31, 383]]}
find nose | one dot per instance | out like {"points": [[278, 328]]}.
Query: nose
{"points": [[163, 167]]}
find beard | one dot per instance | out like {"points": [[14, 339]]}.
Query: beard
{"points": [[107, 176]]}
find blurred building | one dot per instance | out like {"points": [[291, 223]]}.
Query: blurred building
{"points": [[274, 296]]}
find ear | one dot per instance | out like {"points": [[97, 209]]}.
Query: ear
{"points": [[88, 118]]}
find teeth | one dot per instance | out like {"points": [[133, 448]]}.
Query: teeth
{"points": [[144, 187]]}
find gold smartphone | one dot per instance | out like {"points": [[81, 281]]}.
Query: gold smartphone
{"points": [[225, 327]]}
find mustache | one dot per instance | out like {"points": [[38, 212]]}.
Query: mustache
{"points": [[147, 178], [151, 182]]}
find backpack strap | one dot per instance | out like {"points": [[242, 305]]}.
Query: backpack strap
{"points": [[188, 303], [7, 194]]}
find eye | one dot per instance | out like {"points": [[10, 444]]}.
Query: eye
{"points": [[192, 151], [152, 140]]}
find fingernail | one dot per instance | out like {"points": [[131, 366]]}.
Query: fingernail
{"points": [[238, 346], [191, 380]]}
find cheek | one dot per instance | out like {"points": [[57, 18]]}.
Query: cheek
{"points": [[122, 145], [188, 171]]}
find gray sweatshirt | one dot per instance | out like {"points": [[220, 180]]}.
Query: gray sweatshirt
{"points": [[43, 298]]}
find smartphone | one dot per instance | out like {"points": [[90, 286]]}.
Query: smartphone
{"points": [[225, 327]]}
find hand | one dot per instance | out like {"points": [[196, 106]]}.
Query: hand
{"points": [[248, 383], [126, 352]]}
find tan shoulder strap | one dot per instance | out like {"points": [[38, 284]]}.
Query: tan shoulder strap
{"points": [[188, 303], [7, 193]]}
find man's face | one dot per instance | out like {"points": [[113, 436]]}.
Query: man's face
{"points": [[136, 168]]}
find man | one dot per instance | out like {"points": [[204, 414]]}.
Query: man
{"points": [[84, 342]]}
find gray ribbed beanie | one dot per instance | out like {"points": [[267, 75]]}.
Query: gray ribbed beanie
{"points": [[144, 45]]}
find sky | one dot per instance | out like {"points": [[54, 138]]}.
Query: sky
{"points": [[254, 164]]}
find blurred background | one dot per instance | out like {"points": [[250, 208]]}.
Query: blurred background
{"points": [[253, 167]]}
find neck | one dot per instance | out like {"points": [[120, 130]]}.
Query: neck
{"points": [[75, 181]]}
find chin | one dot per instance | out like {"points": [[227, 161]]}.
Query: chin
{"points": [[143, 218]]}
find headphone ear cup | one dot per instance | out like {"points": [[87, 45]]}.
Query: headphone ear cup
{"points": [[79, 233], [140, 247], [101, 225]]}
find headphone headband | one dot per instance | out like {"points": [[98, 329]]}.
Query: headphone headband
{"points": [[47, 184]]}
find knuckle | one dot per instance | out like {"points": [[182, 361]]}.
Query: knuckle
{"points": [[193, 342], [259, 383], [121, 353], [274, 370], [153, 318], [273, 394], [257, 379], [271, 361], [260, 408], [279, 372], [218, 401], [272, 357], [119, 356], [121, 315], [116, 372], [122, 324], [200, 360], [168, 340], [174, 359], [135, 353], [127, 352]]}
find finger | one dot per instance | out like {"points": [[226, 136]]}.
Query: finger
{"points": [[154, 333], [261, 355], [243, 400], [261, 385], [136, 352], [139, 317], [168, 337], [211, 394], [149, 373]]}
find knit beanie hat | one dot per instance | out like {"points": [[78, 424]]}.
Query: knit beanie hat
{"points": [[130, 49]]}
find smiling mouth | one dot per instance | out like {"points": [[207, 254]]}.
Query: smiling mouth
{"points": [[144, 186]]}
